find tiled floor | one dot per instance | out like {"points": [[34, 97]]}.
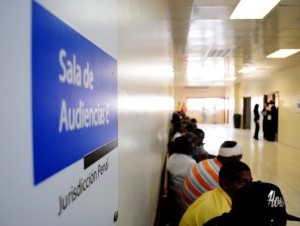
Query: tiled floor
{"points": [[269, 161]]}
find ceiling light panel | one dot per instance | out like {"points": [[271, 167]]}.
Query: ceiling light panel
{"points": [[283, 53], [253, 9]]}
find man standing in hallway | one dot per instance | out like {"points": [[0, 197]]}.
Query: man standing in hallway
{"points": [[265, 116], [272, 122], [256, 121]]}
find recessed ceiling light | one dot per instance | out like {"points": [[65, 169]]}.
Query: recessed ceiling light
{"points": [[283, 53], [253, 9]]}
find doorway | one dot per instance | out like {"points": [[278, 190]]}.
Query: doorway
{"points": [[208, 110], [270, 121]]}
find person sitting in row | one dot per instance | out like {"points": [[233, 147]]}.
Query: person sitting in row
{"points": [[233, 175], [176, 130], [259, 204], [204, 176], [178, 166], [191, 125], [199, 153], [180, 125]]}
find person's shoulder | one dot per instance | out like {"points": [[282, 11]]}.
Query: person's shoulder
{"points": [[205, 164], [216, 191], [221, 195], [209, 196], [223, 220], [189, 160], [172, 157], [211, 162]]}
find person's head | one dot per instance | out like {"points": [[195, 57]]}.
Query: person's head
{"points": [[192, 137], [179, 127], [194, 121], [183, 145], [229, 151], [256, 106], [260, 204], [200, 135], [189, 127], [176, 117], [233, 175]]}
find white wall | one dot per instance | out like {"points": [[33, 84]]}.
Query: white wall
{"points": [[145, 107], [131, 185]]}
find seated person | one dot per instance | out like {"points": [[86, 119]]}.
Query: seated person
{"points": [[256, 204], [178, 166], [204, 176], [199, 153], [196, 152], [233, 175]]}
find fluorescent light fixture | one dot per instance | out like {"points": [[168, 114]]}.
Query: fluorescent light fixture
{"points": [[253, 9], [247, 70], [283, 53]]}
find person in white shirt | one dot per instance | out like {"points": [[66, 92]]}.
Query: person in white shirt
{"points": [[178, 167]]}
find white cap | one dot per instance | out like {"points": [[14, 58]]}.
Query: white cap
{"points": [[230, 148]]}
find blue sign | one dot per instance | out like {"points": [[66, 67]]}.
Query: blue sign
{"points": [[74, 96]]}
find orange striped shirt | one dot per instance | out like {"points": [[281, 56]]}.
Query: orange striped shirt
{"points": [[202, 177]]}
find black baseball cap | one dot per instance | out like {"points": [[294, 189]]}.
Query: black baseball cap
{"points": [[260, 204]]}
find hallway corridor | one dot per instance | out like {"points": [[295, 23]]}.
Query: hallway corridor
{"points": [[269, 161]]}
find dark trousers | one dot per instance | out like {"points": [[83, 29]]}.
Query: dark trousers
{"points": [[256, 130]]}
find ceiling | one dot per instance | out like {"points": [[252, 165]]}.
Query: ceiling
{"points": [[203, 35]]}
